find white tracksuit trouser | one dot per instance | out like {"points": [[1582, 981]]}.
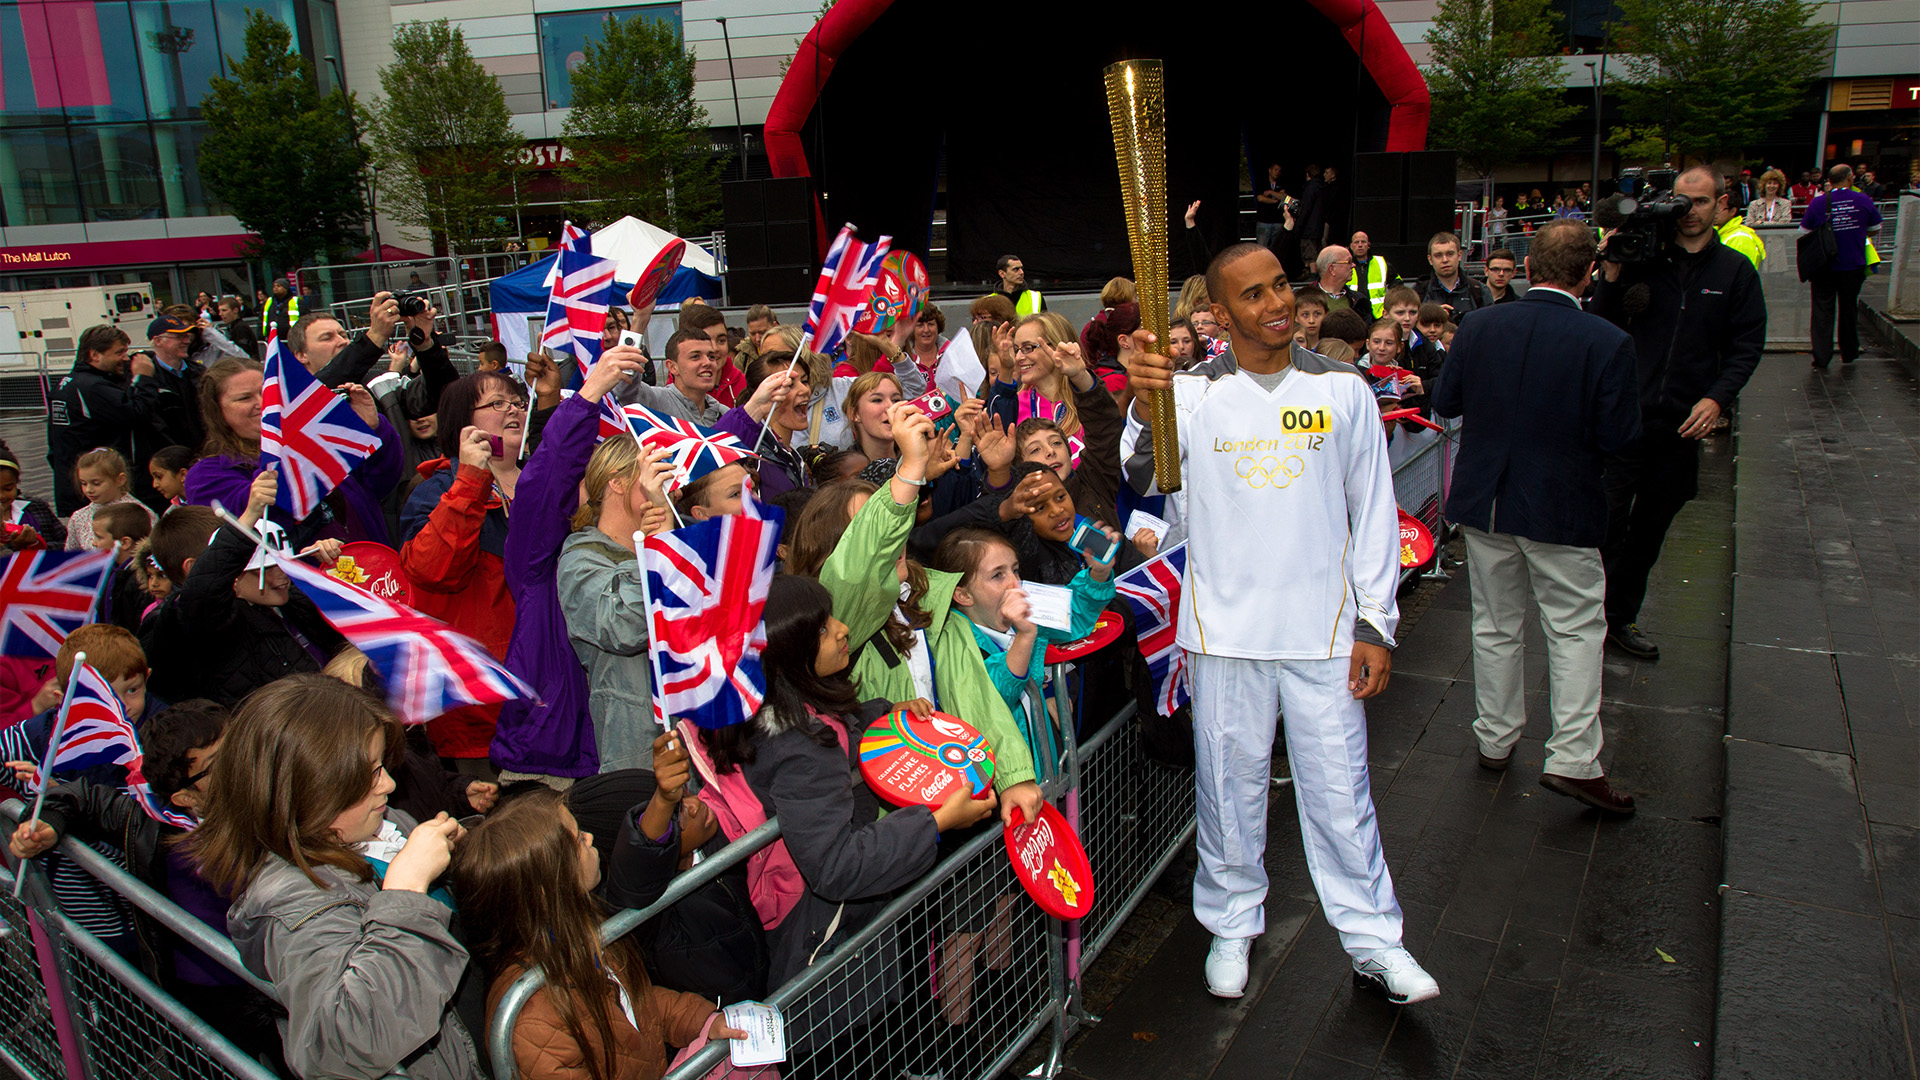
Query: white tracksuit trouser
{"points": [[1235, 705]]}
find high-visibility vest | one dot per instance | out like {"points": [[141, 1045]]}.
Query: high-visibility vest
{"points": [[266, 315], [1028, 304], [1737, 235], [1376, 282]]}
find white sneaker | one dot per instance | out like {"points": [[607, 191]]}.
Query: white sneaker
{"points": [[1227, 966], [1397, 974]]}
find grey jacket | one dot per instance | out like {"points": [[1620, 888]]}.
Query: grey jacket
{"points": [[605, 609], [367, 976]]}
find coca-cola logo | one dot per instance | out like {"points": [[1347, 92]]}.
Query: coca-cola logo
{"points": [[387, 586], [1033, 849]]}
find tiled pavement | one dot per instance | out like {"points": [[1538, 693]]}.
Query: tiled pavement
{"points": [[1566, 946], [1821, 931]]}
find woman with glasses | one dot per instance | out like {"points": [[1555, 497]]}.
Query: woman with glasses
{"points": [[454, 538]]}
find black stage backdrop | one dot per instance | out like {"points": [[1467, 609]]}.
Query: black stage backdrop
{"points": [[1012, 112]]}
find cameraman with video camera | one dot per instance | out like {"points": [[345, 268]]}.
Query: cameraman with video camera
{"points": [[1699, 322], [323, 346]]}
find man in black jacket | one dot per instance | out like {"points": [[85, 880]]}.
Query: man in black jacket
{"points": [[1699, 323], [239, 329], [1547, 391], [98, 404], [177, 379]]}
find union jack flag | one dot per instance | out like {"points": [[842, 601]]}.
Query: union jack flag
{"points": [[706, 596], [583, 288], [571, 236], [696, 450], [1153, 588], [93, 731], [845, 287], [429, 667], [310, 432], [46, 595]]}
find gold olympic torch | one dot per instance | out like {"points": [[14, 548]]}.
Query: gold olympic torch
{"points": [[1137, 104]]}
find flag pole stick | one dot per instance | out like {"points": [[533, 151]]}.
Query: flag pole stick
{"points": [[768, 422], [46, 761], [659, 694]]}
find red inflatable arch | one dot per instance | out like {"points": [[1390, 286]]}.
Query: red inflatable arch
{"points": [[1359, 21]]}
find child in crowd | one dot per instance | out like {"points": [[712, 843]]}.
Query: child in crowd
{"points": [[1012, 645], [869, 404], [710, 942], [1337, 350], [1386, 348], [525, 880], [29, 523], [602, 601], [329, 885], [1346, 325], [117, 656], [1309, 311], [490, 357], [911, 644], [101, 475], [180, 744], [798, 757], [168, 468], [1403, 307], [422, 786], [1180, 344], [153, 578], [715, 493], [120, 528], [246, 623]]}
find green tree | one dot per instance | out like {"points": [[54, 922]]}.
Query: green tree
{"points": [[443, 140], [639, 140], [282, 155], [1495, 80], [1707, 78]]}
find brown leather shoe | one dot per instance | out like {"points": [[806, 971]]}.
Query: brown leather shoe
{"points": [[1596, 793]]}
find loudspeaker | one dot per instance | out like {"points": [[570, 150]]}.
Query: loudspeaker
{"points": [[1426, 217], [1383, 220], [770, 284], [1431, 174], [769, 223], [1379, 176]]}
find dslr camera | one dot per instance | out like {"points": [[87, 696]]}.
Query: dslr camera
{"points": [[1645, 215], [412, 304]]}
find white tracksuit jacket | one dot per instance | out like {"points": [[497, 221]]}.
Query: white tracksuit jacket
{"points": [[1293, 534]]}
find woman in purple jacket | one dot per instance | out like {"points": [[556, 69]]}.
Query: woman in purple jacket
{"points": [[230, 405], [551, 735]]}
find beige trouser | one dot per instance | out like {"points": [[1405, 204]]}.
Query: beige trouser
{"points": [[1568, 586]]}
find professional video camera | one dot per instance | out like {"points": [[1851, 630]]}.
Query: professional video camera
{"points": [[1644, 215]]}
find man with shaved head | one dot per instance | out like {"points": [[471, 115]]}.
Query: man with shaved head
{"points": [[1288, 494], [1698, 323]]}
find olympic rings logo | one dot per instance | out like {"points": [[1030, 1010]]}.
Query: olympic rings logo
{"points": [[1269, 471]]}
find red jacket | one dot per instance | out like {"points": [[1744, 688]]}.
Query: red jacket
{"points": [[20, 679], [732, 385], [456, 529]]}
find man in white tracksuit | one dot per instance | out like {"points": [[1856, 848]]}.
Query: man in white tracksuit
{"points": [[1288, 604]]}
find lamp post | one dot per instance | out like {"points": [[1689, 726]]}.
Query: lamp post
{"points": [[373, 216], [1596, 75], [739, 122]]}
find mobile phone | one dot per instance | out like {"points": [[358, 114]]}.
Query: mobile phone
{"points": [[632, 337], [495, 446], [1088, 540]]}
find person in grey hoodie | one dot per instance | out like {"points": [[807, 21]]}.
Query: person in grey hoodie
{"points": [[602, 601], [331, 889]]}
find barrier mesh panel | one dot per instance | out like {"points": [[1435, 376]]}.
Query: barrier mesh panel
{"points": [[26, 1027]]}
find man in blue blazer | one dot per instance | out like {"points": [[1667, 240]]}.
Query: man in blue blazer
{"points": [[1546, 391]]}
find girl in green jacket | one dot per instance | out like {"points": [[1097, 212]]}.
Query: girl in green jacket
{"points": [[909, 641]]}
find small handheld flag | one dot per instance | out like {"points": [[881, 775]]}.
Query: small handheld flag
{"points": [[1153, 588], [311, 434], [706, 592], [46, 595]]}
